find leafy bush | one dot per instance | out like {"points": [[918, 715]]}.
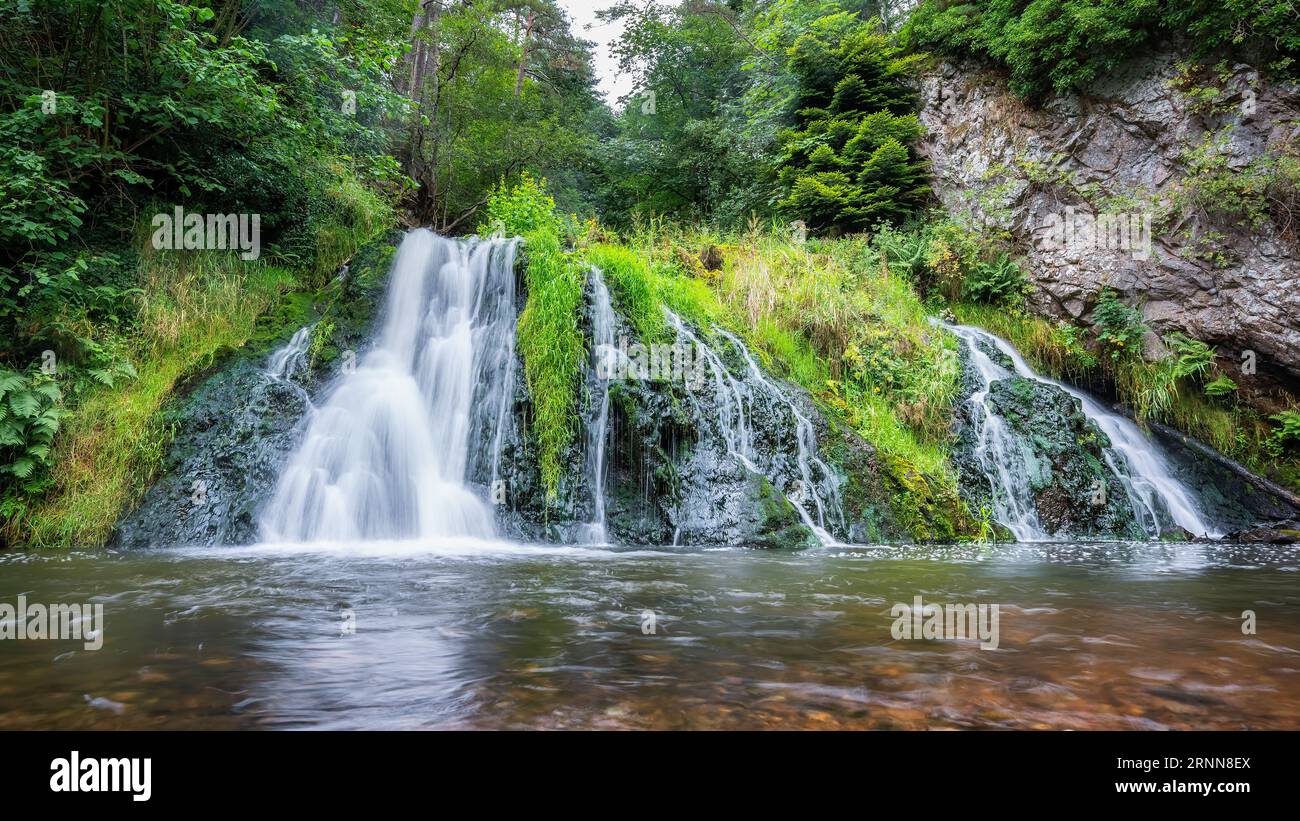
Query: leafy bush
{"points": [[1288, 429], [907, 253], [994, 283], [1060, 45], [1120, 327], [30, 410], [1152, 388], [522, 209]]}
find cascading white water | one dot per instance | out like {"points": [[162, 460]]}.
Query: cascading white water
{"points": [[286, 361], [1156, 495], [998, 451], [805, 437], [734, 398], [595, 434], [386, 455]]}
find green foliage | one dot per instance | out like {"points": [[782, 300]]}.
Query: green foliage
{"points": [[996, 282], [1119, 327], [1057, 349], [551, 345], [1220, 387], [1060, 45], [550, 336], [1188, 357], [635, 287], [159, 103], [492, 104], [522, 209], [1267, 187], [321, 337], [907, 253], [848, 163], [29, 417], [110, 113], [1152, 388], [1288, 429]]}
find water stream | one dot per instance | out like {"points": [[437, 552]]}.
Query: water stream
{"points": [[381, 599], [1158, 498], [453, 634], [596, 433], [738, 399]]}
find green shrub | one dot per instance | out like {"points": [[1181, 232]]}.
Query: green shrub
{"points": [[1061, 45], [30, 410], [994, 283], [848, 163], [522, 209], [1120, 327], [1152, 388], [1288, 429]]}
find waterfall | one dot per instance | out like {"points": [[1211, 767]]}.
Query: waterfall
{"points": [[388, 453], [595, 433], [998, 451], [286, 361], [1156, 495], [737, 401]]}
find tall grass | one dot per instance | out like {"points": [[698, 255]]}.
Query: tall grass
{"points": [[637, 289], [552, 347], [108, 452], [1054, 349], [828, 316]]}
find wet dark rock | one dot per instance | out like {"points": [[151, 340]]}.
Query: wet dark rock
{"points": [[1076, 493], [1265, 535], [1229, 500]]}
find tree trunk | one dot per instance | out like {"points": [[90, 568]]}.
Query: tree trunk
{"points": [[425, 63], [523, 58]]}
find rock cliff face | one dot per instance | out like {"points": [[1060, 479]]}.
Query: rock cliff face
{"points": [[1128, 147]]}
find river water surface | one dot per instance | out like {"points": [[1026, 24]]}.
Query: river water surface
{"points": [[478, 635]]}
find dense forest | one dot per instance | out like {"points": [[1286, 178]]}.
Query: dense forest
{"points": [[765, 174]]}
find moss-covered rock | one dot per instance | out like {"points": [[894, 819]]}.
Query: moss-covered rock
{"points": [[1075, 491]]}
